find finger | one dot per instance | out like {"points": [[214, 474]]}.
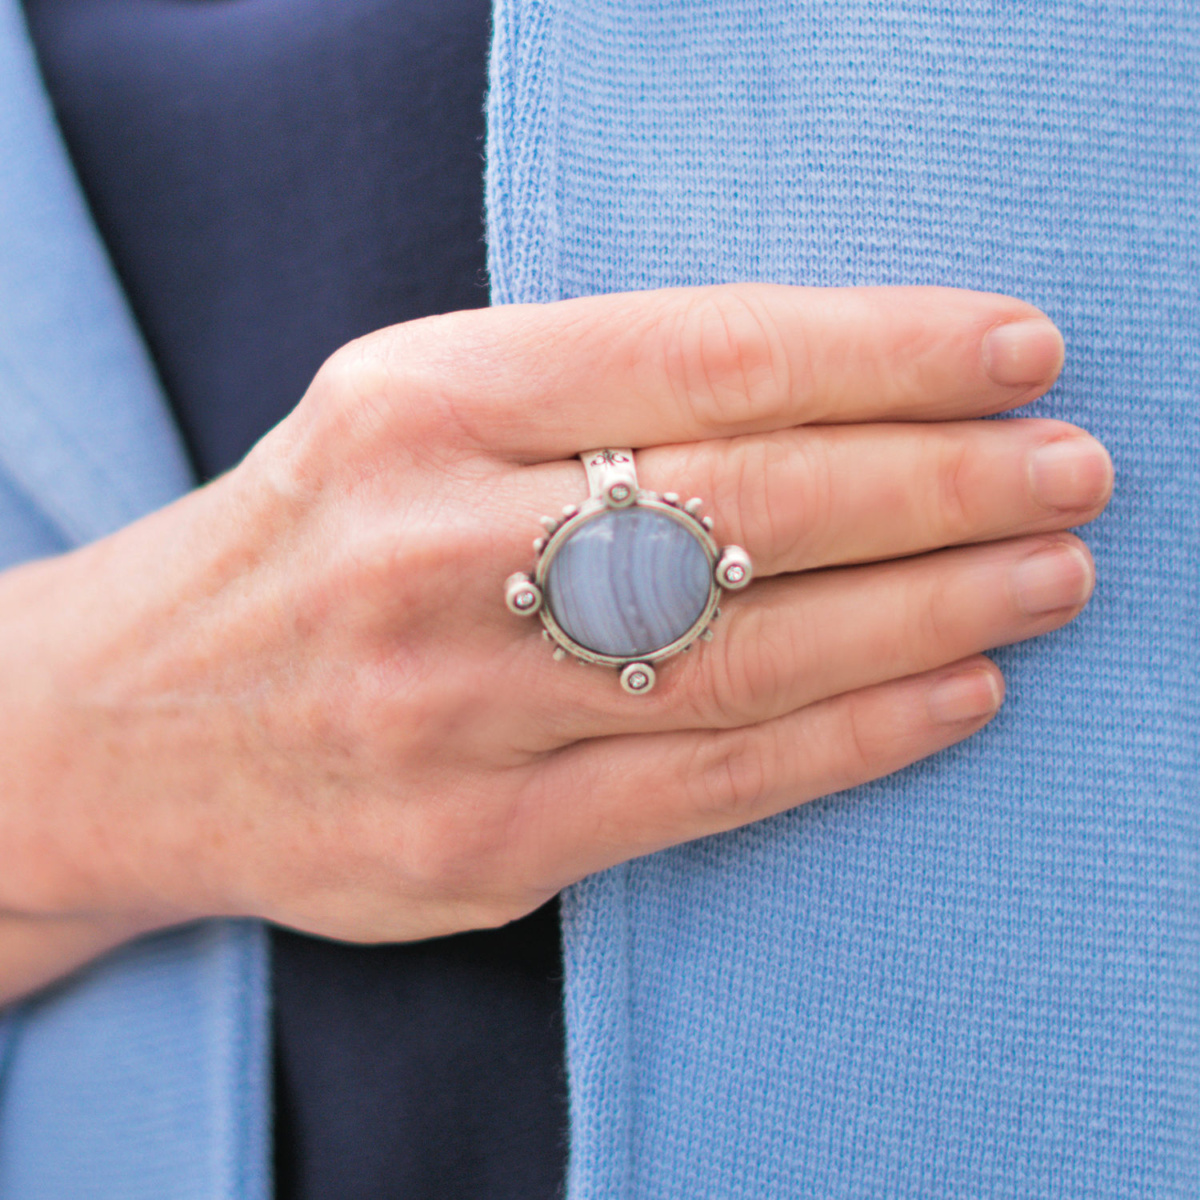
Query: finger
{"points": [[831, 495], [796, 640], [542, 382], [636, 794]]}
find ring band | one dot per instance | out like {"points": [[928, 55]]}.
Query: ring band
{"points": [[627, 578]]}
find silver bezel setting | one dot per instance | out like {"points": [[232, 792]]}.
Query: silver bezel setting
{"points": [[589, 510], [612, 480]]}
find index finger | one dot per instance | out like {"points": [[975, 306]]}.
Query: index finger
{"points": [[538, 382]]}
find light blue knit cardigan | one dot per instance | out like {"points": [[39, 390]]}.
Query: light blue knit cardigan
{"points": [[980, 978]]}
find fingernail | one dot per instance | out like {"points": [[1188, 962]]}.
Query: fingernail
{"points": [[1052, 579], [1023, 352], [965, 697], [1069, 474]]}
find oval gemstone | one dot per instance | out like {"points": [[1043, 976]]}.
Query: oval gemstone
{"points": [[629, 582]]}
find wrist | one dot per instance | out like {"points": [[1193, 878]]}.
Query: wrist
{"points": [[93, 731]]}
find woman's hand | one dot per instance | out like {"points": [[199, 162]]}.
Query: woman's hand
{"points": [[297, 693]]}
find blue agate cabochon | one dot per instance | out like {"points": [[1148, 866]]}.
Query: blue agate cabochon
{"points": [[629, 582]]}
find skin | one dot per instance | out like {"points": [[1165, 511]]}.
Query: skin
{"points": [[297, 694]]}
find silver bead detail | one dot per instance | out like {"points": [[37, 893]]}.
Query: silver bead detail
{"points": [[637, 678], [522, 595], [733, 568]]}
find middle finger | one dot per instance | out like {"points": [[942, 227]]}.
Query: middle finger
{"points": [[834, 495]]}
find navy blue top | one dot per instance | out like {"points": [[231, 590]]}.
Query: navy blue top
{"points": [[273, 178]]}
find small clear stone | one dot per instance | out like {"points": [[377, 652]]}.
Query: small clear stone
{"points": [[619, 492], [524, 599], [637, 677], [735, 574]]}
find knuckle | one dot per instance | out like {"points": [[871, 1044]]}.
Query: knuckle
{"points": [[384, 587], [460, 858], [353, 385], [813, 515], [726, 354], [719, 691], [393, 384], [745, 669], [861, 753], [933, 622], [380, 578], [354, 367], [730, 776], [405, 568], [788, 499], [347, 405], [755, 496], [951, 519], [442, 403]]}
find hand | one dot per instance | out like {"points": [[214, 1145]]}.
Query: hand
{"points": [[297, 693]]}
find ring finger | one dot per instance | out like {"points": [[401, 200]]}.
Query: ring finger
{"points": [[798, 639]]}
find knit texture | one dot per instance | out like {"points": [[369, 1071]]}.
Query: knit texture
{"points": [[145, 1076], [86, 440], [980, 977]]}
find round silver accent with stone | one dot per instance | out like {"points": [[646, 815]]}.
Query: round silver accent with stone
{"points": [[627, 578], [522, 595], [638, 677]]}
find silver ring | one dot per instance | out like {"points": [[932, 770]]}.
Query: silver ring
{"points": [[627, 578]]}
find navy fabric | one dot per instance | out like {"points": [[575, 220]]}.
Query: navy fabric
{"points": [[273, 179], [448, 1084]]}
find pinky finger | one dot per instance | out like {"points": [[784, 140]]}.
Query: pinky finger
{"points": [[640, 793]]}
